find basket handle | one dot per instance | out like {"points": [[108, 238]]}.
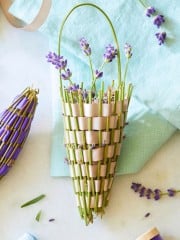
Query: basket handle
{"points": [[112, 29]]}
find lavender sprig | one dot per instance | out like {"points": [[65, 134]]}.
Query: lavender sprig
{"points": [[85, 46], [110, 53], [128, 54], [87, 50], [149, 193], [128, 50], [56, 60], [61, 64], [159, 19]]}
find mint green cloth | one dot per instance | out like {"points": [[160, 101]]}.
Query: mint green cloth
{"points": [[154, 113]]}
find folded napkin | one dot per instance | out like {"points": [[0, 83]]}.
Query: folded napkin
{"points": [[154, 113]]}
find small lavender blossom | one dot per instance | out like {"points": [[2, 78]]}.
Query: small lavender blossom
{"points": [[150, 11], [161, 36], [98, 74], [142, 191], [66, 75], [149, 193], [171, 192], [135, 186], [110, 53], [84, 94], [56, 60], [73, 87], [155, 194], [159, 20], [128, 50], [85, 46]]}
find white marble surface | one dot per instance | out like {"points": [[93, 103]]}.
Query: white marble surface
{"points": [[22, 64]]}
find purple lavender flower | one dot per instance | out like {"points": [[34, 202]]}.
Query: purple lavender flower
{"points": [[171, 192], [161, 36], [110, 53], [149, 193], [66, 75], [85, 46], [142, 191], [159, 20], [56, 60], [84, 94], [150, 11], [73, 87], [157, 194], [128, 50], [135, 186], [98, 74]]}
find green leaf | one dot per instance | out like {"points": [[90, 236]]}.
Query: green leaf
{"points": [[35, 200], [38, 216]]}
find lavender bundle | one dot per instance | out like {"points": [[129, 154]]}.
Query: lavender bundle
{"points": [[94, 120], [15, 124]]}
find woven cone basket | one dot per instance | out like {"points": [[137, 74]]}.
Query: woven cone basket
{"points": [[93, 137], [15, 124], [93, 144]]}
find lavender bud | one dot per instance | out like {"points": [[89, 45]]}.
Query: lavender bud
{"points": [[56, 60], [66, 75], [85, 46], [142, 192], [128, 50], [150, 11], [149, 193], [161, 37], [159, 20], [157, 194], [110, 53], [73, 87], [98, 74], [171, 192], [135, 186]]}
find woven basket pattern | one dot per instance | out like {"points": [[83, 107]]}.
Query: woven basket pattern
{"points": [[15, 124], [93, 143]]}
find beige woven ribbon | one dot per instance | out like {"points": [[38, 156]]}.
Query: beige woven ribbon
{"points": [[35, 24]]}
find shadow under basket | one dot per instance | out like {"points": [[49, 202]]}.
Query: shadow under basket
{"points": [[93, 144]]}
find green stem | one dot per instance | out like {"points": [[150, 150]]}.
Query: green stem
{"points": [[143, 4], [166, 193], [126, 68], [92, 72], [112, 29]]}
